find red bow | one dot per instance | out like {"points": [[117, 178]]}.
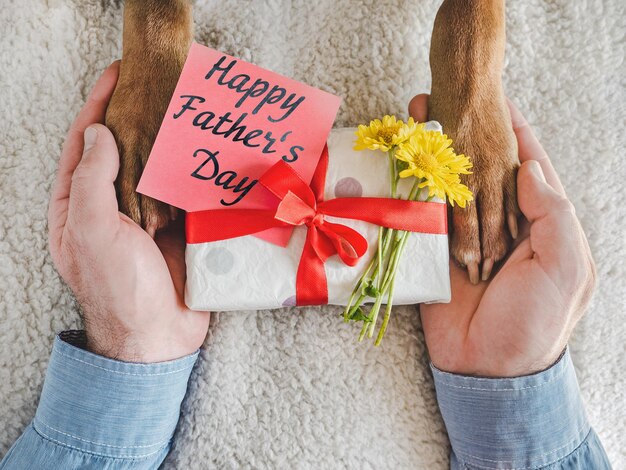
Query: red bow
{"points": [[301, 204]]}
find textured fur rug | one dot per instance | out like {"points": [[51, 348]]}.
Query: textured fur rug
{"points": [[290, 388]]}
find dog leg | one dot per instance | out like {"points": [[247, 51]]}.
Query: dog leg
{"points": [[156, 40], [466, 58]]}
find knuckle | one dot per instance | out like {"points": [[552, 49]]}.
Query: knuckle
{"points": [[592, 273], [80, 177], [75, 238], [585, 278], [87, 220], [69, 257], [562, 204], [78, 207]]}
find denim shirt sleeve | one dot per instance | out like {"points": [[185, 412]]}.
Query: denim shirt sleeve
{"points": [[531, 422], [100, 413]]}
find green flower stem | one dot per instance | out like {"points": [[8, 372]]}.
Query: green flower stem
{"points": [[375, 264], [383, 327], [401, 235], [393, 172], [388, 285], [357, 288], [385, 236], [357, 304], [397, 249], [415, 190], [374, 314], [351, 308], [391, 245], [375, 310], [384, 256], [392, 266], [382, 232], [396, 254], [363, 330]]}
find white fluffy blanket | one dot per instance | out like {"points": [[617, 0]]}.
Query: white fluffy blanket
{"points": [[290, 388]]}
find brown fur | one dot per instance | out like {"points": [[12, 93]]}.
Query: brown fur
{"points": [[466, 59], [157, 36], [467, 54]]}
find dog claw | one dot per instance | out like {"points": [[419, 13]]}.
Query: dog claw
{"points": [[472, 269], [487, 267], [512, 220], [151, 229]]}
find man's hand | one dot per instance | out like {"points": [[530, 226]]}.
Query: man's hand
{"points": [[519, 322], [130, 286]]}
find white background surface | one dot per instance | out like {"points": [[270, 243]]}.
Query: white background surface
{"points": [[292, 385]]}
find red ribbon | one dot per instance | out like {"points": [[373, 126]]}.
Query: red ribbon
{"points": [[302, 204]]}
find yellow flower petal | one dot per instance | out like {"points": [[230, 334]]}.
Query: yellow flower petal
{"points": [[430, 156], [386, 134]]}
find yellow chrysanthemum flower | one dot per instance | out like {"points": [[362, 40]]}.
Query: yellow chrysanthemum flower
{"points": [[386, 134], [429, 156]]}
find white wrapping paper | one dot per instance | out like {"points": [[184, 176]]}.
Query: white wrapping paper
{"points": [[248, 273]]}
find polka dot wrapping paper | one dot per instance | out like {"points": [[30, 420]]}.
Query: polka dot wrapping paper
{"points": [[248, 273]]}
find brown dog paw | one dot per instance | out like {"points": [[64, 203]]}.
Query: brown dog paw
{"points": [[466, 58], [135, 132], [157, 36], [482, 232]]}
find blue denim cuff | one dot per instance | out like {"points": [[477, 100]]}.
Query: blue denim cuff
{"points": [[107, 407], [522, 422]]}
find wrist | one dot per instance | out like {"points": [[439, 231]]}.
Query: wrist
{"points": [[128, 346], [490, 364]]}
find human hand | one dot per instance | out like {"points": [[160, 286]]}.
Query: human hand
{"points": [[130, 287], [519, 322]]}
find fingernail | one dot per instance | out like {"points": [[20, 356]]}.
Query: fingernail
{"points": [[535, 167], [91, 136]]}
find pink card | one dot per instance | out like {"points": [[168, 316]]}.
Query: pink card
{"points": [[227, 123]]}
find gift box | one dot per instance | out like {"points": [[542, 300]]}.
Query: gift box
{"points": [[248, 273]]}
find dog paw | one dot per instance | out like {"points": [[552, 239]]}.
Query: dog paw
{"points": [[482, 232], [135, 128], [150, 214]]}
